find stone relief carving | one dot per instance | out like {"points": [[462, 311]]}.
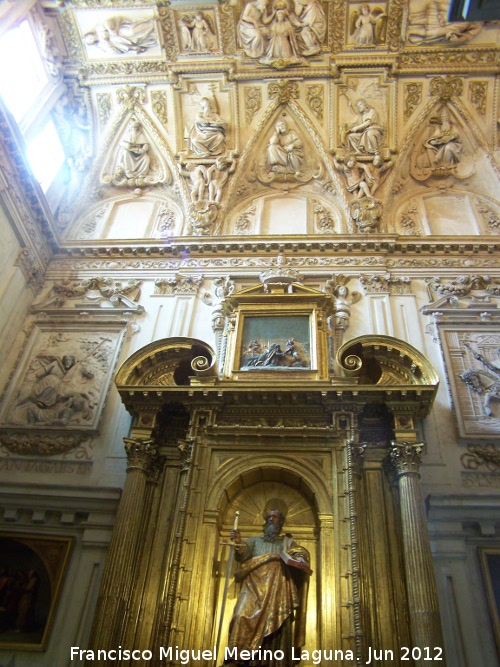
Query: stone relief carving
{"points": [[441, 153], [484, 380], [253, 102], [342, 300], [314, 96], [413, 97], [245, 222], [367, 27], [64, 380], [207, 136], [159, 104], [104, 107], [198, 32], [31, 444], [135, 161], [477, 95], [481, 455], [284, 159], [281, 37], [100, 292], [428, 25], [285, 150], [119, 35], [376, 284], [178, 284], [133, 157], [489, 216], [324, 221], [364, 134]]}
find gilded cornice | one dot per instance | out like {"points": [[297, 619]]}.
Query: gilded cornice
{"points": [[482, 59]]}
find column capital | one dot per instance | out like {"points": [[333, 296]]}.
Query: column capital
{"points": [[141, 454], [358, 456], [406, 457]]}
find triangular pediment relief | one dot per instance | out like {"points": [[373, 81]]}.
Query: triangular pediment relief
{"points": [[135, 156]]}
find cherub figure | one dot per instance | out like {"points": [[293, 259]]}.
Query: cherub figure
{"points": [[217, 176], [368, 26], [357, 174], [198, 176]]}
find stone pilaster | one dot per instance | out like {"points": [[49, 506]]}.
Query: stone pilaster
{"points": [[117, 583], [425, 621]]}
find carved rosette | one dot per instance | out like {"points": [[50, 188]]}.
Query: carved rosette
{"points": [[406, 457]]}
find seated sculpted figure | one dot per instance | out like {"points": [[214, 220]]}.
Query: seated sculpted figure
{"points": [[365, 133], [269, 599], [133, 158], [208, 134], [284, 151]]}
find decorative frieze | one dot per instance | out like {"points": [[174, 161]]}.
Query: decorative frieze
{"points": [[179, 284]]}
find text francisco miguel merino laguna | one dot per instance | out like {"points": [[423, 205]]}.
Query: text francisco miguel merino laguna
{"points": [[188, 656]]}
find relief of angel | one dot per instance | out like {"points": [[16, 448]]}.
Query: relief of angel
{"points": [[368, 26], [198, 32]]}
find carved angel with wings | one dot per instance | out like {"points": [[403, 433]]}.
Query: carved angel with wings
{"points": [[368, 25], [198, 32]]}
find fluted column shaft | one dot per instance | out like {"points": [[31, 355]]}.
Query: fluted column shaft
{"points": [[113, 602], [425, 621]]}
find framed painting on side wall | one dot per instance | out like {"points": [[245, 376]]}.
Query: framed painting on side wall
{"points": [[32, 570]]}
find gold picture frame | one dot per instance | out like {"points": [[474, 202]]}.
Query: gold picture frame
{"points": [[32, 571]]}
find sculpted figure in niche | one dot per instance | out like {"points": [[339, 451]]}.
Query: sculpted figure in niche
{"points": [[251, 30], [273, 574], [119, 34], [208, 134], [282, 43], [312, 26], [443, 147], [431, 25], [282, 34], [133, 159], [198, 33], [365, 133], [367, 26], [284, 151]]}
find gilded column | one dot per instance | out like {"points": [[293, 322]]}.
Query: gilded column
{"points": [[113, 603], [425, 621]]}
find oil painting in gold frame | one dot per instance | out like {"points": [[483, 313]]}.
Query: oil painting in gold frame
{"points": [[32, 570]]}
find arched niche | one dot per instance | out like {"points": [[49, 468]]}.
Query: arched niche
{"points": [[130, 217], [285, 213], [459, 212], [275, 483]]}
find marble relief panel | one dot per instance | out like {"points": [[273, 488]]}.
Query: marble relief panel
{"points": [[473, 365], [62, 378], [131, 33]]}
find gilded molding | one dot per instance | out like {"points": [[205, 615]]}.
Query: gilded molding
{"points": [[477, 95], [394, 37], [413, 97], [141, 454]]}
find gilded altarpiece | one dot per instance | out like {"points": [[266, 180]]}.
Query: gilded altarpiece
{"points": [[278, 424]]}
